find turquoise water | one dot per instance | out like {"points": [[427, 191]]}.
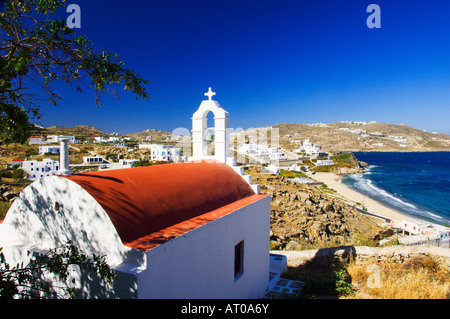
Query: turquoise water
{"points": [[415, 184]]}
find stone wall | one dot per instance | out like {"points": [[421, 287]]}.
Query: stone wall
{"points": [[365, 255]]}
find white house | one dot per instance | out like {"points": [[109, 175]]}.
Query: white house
{"points": [[38, 169], [111, 139], [184, 230], [127, 162], [54, 149], [298, 168], [420, 232], [261, 153], [159, 152], [92, 159], [324, 162], [276, 156], [308, 148], [272, 169], [18, 161], [35, 140]]}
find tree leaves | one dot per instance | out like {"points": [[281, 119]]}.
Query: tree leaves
{"points": [[29, 281], [41, 50], [14, 123]]}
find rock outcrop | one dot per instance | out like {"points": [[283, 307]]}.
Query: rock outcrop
{"points": [[305, 216], [7, 194]]}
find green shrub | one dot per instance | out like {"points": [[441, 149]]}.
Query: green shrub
{"points": [[291, 174], [17, 174], [31, 151], [142, 163], [342, 284]]}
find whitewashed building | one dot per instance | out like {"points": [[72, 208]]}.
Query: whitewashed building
{"points": [[111, 139], [419, 232], [38, 169], [262, 153], [17, 161], [54, 149], [271, 169], [93, 159], [308, 148], [188, 230], [298, 168], [324, 162], [127, 162], [160, 152], [276, 156], [35, 140]]}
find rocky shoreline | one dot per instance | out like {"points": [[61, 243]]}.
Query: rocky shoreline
{"points": [[358, 168]]}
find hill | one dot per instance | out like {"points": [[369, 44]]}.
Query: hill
{"points": [[152, 134], [332, 137], [305, 216], [362, 136], [78, 131]]}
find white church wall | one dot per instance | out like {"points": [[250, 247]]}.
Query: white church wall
{"points": [[200, 263], [54, 210], [35, 224]]}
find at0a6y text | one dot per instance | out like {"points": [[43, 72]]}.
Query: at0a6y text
{"points": [[231, 308]]}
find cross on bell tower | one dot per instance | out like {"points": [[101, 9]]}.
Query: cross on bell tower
{"points": [[210, 94], [221, 131]]}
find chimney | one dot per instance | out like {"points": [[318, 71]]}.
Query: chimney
{"points": [[64, 157]]}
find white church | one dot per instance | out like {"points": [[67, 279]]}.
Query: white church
{"points": [[197, 229]]}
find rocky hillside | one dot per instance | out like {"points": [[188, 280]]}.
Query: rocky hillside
{"points": [[155, 135], [78, 131], [305, 217], [362, 136]]}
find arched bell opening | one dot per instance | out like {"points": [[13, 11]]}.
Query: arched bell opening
{"points": [[209, 130], [209, 134]]}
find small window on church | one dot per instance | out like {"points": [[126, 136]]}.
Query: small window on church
{"points": [[238, 260], [56, 206]]}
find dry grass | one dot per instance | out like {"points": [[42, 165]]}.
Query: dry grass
{"points": [[419, 278], [4, 206]]}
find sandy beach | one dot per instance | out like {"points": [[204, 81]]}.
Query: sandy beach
{"points": [[374, 207]]}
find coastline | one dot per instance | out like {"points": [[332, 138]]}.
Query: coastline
{"points": [[374, 207]]}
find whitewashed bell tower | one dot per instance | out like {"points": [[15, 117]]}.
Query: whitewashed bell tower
{"points": [[221, 130], [221, 139]]}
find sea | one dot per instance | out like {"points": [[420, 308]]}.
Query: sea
{"points": [[414, 184]]}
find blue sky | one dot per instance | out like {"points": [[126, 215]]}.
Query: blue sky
{"points": [[303, 61]]}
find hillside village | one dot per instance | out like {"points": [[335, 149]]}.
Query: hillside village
{"points": [[293, 153], [297, 147], [363, 137], [305, 214], [97, 150]]}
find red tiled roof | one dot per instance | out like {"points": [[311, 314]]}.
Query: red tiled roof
{"points": [[35, 136], [152, 240], [146, 200]]}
